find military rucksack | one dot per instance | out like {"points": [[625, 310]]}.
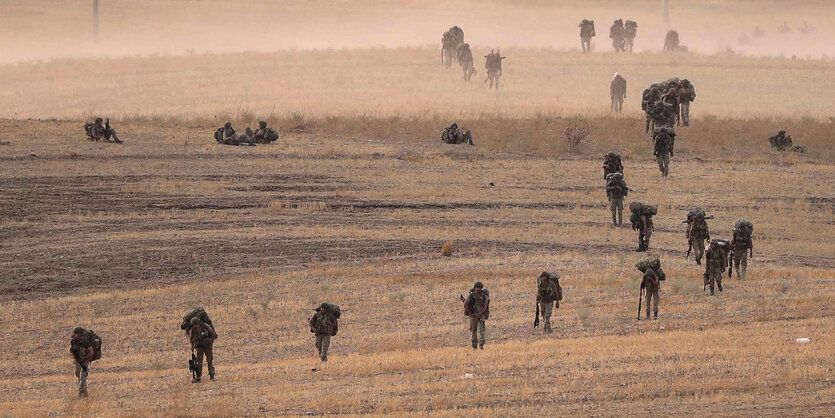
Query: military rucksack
{"points": [[553, 279], [88, 128], [94, 340], [203, 339], [199, 313], [219, 135], [487, 298], [651, 262], [272, 134], [324, 311], [724, 247], [640, 208]]}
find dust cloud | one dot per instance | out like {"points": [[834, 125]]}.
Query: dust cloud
{"points": [[33, 30]]}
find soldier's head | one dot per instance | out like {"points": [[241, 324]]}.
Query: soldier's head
{"points": [[99, 121], [618, 176], [262, 124], [195, 321], [228, 125], [453, 126], [77, 333], [781, 133], [478, 287]]}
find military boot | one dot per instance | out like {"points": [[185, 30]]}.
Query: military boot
{"points": [[655, 315], [475, 346], [82, 393], [481, 346], [195, 379], [640, 246], [212, 377]]}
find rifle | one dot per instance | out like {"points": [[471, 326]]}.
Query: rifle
{"points": [[107, 124], [536, 321], [730, 263], [192, 365], [640, 293], [689, 248]]}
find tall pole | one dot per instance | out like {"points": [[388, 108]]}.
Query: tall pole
{"points": [[666, 11], [95, 20]]}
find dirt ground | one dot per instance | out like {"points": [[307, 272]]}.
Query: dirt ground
{"points": [[126, 238]]}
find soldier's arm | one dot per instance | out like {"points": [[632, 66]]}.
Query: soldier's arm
{"points": [[211, 331], [644, 222], [484, 310], [467, 305]]}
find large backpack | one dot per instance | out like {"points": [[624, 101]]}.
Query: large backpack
{"points": [[272, 134], [197, 312], [487, 294], [204, 338], [88, 128], [663, 141], [94, 340], [329, 309], [651, 262], [554, 279], [724, 247], [219, 134]]}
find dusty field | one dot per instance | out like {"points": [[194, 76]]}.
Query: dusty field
{"points": [[126, 238]]}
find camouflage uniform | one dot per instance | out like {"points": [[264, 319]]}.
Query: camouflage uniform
{"points": [[493, 65], [616, 32], [473, 305], [617, 90], [325, 325], [671, 41], [455, 135], [648, 99], [202, 337], [547, 295], [102, 132], [82, 346], [742, 244], [715, 263], [465, 60], [697, 233], [263, 135], [664, 139], [630, 31], [230, 137], [616, 190], [686, 94], [652, 287]]}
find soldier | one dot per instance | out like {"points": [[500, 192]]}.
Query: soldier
{"points": [[641, 219], [715, 263], [742, 245], [629, 33], [649, 97], [85, 346], [202, 337], [264, 135], [324, 324], [616, 32], [664, 143], [616, 190], [781, 141], [227, 136], [784, 28], [586, 33], [452, 134], [103, 132], [652, 287], [697, 233], [548, 294], [671, 41], [612, 164], [617, 89], [493, 64], [465, 59], [686, 95], [477, 307]]}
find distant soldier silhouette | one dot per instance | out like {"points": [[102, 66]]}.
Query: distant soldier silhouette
{"points": [[630, 31], [493, 64], [617, 89], [586, 33]]}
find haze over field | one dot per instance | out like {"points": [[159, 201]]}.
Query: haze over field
{"points": [[45, 29]]}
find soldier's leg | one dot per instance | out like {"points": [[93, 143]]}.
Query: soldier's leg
{"points": [[82, 377], [210, 365], [614, 208], [647, 300], [200, 355], [719, 280], [666, 165], [474, 331], [710, 278], [740, 271], [545, 310], [326, 343], [649, 118], [620, 212], [319, 344], [685, 113], [699, 245], [497, 81], [646, 238], [482, 331], [656, 294]]}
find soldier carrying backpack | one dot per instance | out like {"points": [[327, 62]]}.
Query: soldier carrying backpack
{"points": [[202, 337], [650, 283], [697, 233], [477, 307], [641, 219], [716, 261], [616, 190], [548, 294], [85, 347], [743, 246], [324, 324]]}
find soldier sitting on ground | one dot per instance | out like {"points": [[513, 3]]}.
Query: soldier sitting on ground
{"points": [[227, 136], [98, 132], [782, 142], [85, 346], [263, 135], [452, 134]]}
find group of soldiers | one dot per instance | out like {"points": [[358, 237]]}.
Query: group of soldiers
{"points": [[452, 134], [86, 345], [622, 35], [783, 142], [226, 135], [455, 50], [667, 105]]}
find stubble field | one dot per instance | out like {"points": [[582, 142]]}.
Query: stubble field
{"points": [[353, 205]]}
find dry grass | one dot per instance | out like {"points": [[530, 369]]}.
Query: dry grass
{"points": [[446, 250]]}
